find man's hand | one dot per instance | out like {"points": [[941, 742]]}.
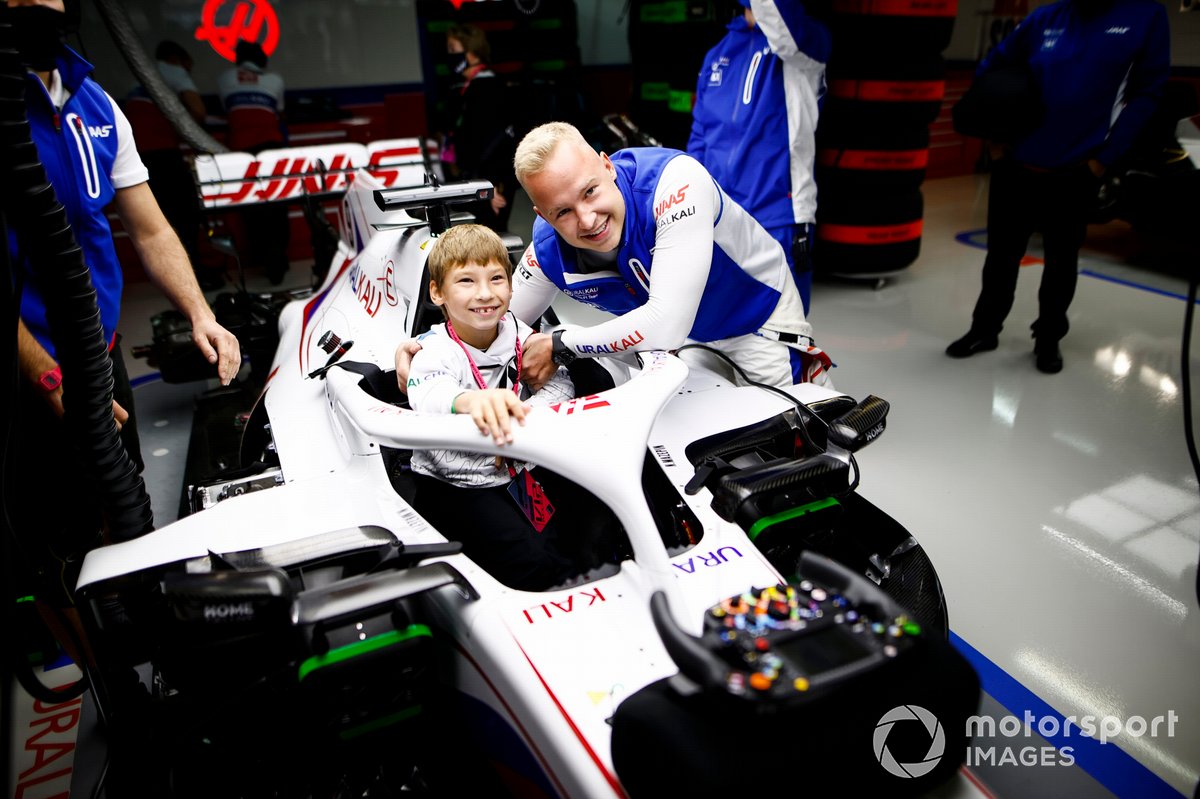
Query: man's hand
{"points": [[404, 355], [54, 399], [498, 203], [219, 347], [537, 363], [491, 410], [1097, 168]]}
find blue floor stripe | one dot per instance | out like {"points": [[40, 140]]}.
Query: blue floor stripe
{"points": [[1131, 284], [968, 237], [1107, 763]]}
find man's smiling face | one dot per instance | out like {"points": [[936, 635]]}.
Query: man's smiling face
{"points": [[576, 192]]}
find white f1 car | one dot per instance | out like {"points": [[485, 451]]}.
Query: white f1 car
{"points": [[305, 632]]}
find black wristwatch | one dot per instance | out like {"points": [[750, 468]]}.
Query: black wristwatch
{"points": [[560, 353]]}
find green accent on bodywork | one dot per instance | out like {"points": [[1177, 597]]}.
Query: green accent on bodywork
{"points": [[556, 65], [29, 598], [343, 653], [791, 513], [546, 24], [380, 723]]}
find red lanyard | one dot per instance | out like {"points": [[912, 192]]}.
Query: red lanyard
{"points": [[516, 386]]}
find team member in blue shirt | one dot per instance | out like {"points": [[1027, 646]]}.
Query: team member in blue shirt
{"points": [[755, 117], [649, 235], [1100, 66], [85, 144]]}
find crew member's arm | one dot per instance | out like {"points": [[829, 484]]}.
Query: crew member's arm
{"points": [[167, 265], [34, 361], [688, 206], [792, 34]]}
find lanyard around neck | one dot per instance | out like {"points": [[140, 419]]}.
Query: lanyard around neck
{"points": [[516, 386]]}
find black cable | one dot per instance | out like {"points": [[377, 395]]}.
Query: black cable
{"points": [[804, 411], [1189, 435], [802, 416]]}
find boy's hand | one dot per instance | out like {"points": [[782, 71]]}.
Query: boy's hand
{"points": [[492, 409], [404, 355]]}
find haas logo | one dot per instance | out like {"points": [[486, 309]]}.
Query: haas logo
{"points": [[667, 202]]}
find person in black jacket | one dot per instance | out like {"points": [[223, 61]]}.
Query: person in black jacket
{"points": [[480, 137]]}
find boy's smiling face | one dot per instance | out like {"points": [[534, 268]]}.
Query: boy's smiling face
{"points": [[475, 297]]}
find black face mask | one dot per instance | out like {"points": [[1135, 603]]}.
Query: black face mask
{"points": [[455, 62], [40, 31]]}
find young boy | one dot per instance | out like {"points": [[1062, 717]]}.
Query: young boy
{"points": [[472, 365]]}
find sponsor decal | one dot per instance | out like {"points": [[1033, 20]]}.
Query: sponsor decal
{"points": [[584, 293], [670, 200], [587, 403], [551, 610], [663, 455], [1118, 29], [523, 272], [532, 260], [223, 23], [640, 273], [99, 131], [389, 283], [615, 347], [717, 71], [287, 173], [667, 220], [51, 736], [707, 560]]}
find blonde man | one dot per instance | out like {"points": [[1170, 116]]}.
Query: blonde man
{"points": [[648, 235]]}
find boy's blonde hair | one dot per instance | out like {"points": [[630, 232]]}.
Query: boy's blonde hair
{"points": [[539, 143], [464, 244]]}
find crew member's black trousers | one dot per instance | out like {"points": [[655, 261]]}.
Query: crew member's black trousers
{"points": [[1022, 200]]}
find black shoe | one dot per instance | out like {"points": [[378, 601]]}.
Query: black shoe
{"points": [[970, 344], [1048, 358]]}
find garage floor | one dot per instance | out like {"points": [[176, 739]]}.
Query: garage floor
{"points": [[1061, 511]]}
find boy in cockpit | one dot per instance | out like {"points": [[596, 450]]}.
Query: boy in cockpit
{"points": [[471, 365]]}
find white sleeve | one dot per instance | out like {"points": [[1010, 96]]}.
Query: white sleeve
{"points": [[433, 379], [532, 290], [683, 247], [128, 169], [177, 78], [792, 34]]}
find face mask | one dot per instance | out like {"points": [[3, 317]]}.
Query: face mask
{"points": [[455, 62], [40, 31]]}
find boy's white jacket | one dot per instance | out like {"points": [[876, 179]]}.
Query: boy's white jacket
{"points": [[442, 370]]}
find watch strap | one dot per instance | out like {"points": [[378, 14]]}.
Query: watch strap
{"points": [[560, 353], [50, 379]]}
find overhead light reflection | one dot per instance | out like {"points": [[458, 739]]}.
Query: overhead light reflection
{"points": [[1140, 585]]}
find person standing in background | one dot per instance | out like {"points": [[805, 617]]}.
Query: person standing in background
{"points": [[253, 102], [480, 133], [1099, 67], [755, 119], [159, 145]]}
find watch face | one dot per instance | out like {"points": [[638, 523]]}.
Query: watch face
{"points": [[51, 380]]}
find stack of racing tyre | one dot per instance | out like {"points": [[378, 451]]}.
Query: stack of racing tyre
{"points": [[886, 82]]}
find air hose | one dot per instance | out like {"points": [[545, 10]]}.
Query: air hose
{"points": [[63, 279]]}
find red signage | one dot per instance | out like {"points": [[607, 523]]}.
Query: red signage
{"points": [[223, 23]]}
